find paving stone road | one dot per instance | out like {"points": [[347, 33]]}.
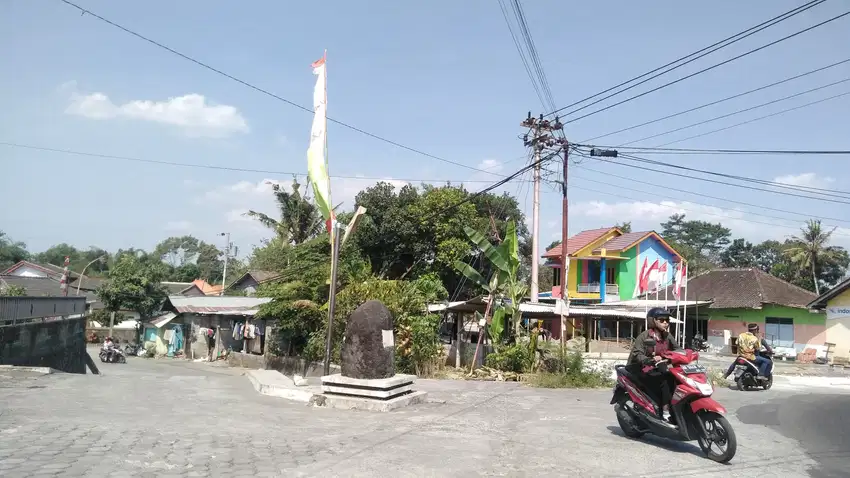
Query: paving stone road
{"points": [[162, 418]]}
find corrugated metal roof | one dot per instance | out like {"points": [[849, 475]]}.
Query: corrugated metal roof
{"points": [[217, 305]]}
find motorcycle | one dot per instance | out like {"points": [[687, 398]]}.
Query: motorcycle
{"points": [[699, 344], [114, 355], [694, 414], [132, 349], [746, 373]]}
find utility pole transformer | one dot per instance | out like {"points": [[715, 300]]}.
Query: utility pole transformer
{"points": [[539, 139]]}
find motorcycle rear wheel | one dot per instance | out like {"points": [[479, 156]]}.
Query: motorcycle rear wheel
{"points": [[626, 422], [721, 434]]}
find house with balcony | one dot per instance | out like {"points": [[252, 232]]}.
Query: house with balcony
{"points": [[604, 264]]}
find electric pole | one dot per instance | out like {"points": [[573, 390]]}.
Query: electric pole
{"points": [[226, 257], [539, 139]]}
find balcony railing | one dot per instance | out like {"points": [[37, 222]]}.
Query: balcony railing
{"points": [[594, 288], [19, 310]]}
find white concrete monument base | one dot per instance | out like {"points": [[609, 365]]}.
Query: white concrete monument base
{"points": [[377, 394]]}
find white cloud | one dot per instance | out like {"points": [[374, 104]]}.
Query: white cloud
{"points": [[491, 165], [179, 226], [192, 113], [804, 179]]}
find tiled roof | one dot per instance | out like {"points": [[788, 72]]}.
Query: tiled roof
{"points": [[577, 242], [43, 287], [745, 288], [821, 301], [175, 288], [55, 272], [620, 242]]}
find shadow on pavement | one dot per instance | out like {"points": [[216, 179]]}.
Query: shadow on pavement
{"points": [[669, 445]]}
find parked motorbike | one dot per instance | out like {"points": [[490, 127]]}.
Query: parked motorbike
{"points": [[699, 343], [132, 349], [114, 355], [746, 373], [694, 414]]}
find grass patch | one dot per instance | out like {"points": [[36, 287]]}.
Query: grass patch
{"points": [[569, 380]]}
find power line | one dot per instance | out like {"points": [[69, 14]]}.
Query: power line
{"points": [[676, 207], [521, 53], [725, 183], [741, 178], [532, 50], [706, 105], [658, 150], [704, 69], [225, 168], [744, 110], [703, 52], [757, 119], [667, 187], [202, 64]]}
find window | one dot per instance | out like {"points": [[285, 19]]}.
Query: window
{"points": [[556, 280], [779, 332]]}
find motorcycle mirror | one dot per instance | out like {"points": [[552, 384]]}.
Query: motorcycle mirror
{"points": [[649, 343]]}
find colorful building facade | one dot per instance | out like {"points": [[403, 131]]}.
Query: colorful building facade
{"points": [[611, 257], [836, 304]]}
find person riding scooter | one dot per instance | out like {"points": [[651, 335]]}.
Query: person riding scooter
{"points": [[108, 347], [749, 345], [647, 363]]}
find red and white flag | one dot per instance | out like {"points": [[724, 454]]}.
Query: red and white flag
{"points": [[639, 285], [680, 280], [63, 282], [650, 279]]}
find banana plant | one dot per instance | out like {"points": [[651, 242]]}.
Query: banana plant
{"points": [[504, 286]]}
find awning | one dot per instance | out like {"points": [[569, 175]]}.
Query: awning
{"points": [[162, 320]]}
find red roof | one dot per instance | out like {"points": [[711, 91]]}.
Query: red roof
{"points": [[578, 242]]}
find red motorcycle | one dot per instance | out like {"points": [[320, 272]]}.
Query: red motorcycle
{"points": [[694, 414]]}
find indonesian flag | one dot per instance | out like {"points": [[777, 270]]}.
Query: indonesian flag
{"points": [[63, 282], [662, 275], [639, 285], [681, 279], [651, 278], [317, 159]]}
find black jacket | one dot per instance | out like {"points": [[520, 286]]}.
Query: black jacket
{"points": [[641, 356], [766, 346]]}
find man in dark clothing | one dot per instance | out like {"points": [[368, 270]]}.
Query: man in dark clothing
{"points": [[643, 359]]}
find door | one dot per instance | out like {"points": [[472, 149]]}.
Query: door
{"points": [[779, 331]]}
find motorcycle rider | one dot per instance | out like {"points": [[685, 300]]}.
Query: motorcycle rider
{"points": [[748, 347], [647, 364], [108, 345]]}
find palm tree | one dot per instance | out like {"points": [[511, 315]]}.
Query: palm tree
{"points": [[811, 248], [299, 220]]}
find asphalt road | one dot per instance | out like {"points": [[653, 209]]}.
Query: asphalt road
{"points": [[819, 422], [162, 418]]}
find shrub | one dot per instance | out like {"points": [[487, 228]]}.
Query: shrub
{"points": [[567, 370], [513, 358]]}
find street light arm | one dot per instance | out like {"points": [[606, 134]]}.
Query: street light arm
{"points": [[82, 274]]}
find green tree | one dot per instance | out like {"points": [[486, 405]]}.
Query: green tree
{"points": [[811, 250], [504, 282], [11, 252], [700, 242], [134, 284], [625, 226], [740, 254], [56, 255], [299, 220], [13, 291]]}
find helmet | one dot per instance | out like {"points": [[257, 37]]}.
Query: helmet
{"points": [[654, 313], [752, 327]]}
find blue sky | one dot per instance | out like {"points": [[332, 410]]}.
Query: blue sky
{"points": [[440, 76]]}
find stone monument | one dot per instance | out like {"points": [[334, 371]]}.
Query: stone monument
{"points": [[368, 379]]}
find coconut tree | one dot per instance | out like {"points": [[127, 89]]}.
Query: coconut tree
{"points": [[811, 249], [299, 220]]}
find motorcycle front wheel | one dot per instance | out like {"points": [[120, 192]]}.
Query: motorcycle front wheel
{"points": [[769, 383], [720, 443], [102, 358]]}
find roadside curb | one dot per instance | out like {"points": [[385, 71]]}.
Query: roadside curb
{"points": [[816, 381], [23, 368], [276, 384]]}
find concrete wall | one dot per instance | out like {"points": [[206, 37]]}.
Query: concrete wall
{"points": [[59, 344], [124, 335], [809, 328]]}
